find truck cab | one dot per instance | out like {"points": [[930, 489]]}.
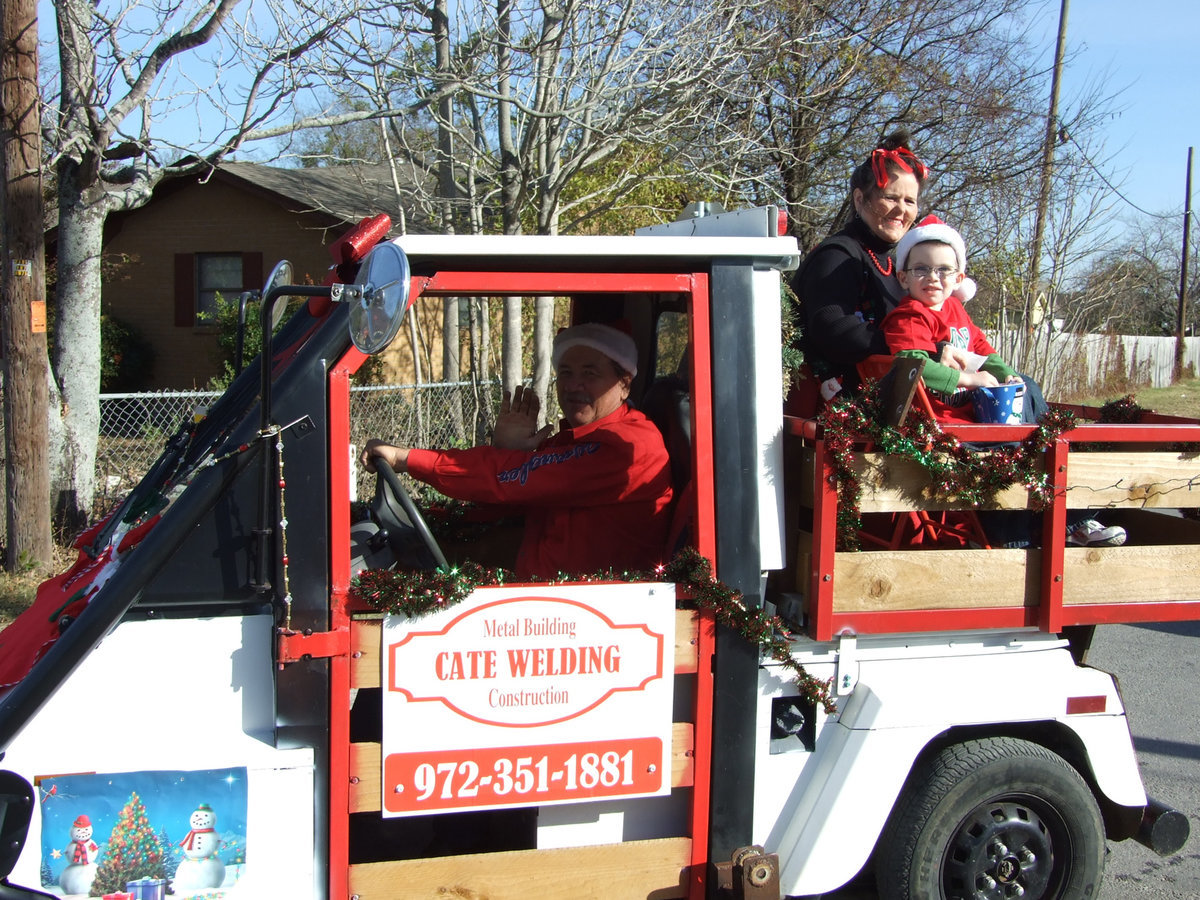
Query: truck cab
{"points": [[241, 645]]}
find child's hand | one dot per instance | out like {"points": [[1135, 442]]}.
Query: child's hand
{"points": [[977, 379], [953, 357]]}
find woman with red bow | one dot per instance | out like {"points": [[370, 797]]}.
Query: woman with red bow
{"points": [[847, 284]]}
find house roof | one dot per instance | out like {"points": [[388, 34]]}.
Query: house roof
{"points": [[344, 193]]}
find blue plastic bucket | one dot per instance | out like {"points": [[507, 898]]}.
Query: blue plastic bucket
{"points": [[1001, 405]]}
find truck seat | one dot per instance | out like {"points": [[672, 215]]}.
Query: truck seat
{"points": [[668, 405]]}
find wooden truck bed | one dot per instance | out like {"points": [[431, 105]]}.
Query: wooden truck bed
{"points": [[1143, 477]]}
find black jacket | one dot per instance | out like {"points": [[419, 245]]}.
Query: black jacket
{"points": [[843, 299]]}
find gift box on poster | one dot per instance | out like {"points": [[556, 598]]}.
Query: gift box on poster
{"points": [[119, 895], [147, 889]]}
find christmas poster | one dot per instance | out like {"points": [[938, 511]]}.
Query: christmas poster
{"points": [[143, 834]]}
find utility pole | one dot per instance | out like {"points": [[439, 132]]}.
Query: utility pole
{"points": [[23, 292], [1039, 227], [1181, 320]]}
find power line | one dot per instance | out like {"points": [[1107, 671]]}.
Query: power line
{"points": [[1112, 187]]}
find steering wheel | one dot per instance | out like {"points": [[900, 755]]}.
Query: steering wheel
{"points": [[395, 512]]}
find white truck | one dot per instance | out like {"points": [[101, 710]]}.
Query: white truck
{"points": [[207, 703]]}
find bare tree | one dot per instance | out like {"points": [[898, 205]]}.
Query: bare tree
{"points": [[122, 70], [530, 97], [570, 84], [840, 75]]}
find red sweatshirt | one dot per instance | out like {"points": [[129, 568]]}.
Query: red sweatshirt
{"points": [[914, 326], [594, 497]]}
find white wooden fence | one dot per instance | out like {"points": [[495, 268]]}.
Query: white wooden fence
{"points": [[1074, 365]]}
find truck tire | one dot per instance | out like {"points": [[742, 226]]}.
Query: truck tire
{"points": [[993, 818]]}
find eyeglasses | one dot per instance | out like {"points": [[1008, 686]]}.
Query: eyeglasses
{"points": [[923, 272]]}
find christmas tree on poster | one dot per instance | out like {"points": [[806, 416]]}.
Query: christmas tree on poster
{"points": [[133, 851]]}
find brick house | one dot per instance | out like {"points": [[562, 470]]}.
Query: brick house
{"points": [[224, 233]]}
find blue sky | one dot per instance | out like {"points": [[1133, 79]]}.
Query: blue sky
{"points": [[1146, 52]]}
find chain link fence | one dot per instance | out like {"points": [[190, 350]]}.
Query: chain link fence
{"points": [[449, 415], [133, 431], [134, 427]]}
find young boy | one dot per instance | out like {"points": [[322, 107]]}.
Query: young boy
{"points": [[931, 262]]}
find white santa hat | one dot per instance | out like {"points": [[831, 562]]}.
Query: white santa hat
{"points": [[610, 340], [931, 228]]}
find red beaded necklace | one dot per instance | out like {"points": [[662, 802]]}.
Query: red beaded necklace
{"points": [[875, 259]]}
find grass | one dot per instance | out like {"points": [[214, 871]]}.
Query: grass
{"points": [[17, 591], [1182, 399]]}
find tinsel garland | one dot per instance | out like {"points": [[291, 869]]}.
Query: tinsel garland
{"points": [[1124, 411], [415, 593], [968, 475]]}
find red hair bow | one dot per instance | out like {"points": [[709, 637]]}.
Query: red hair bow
{"points": [[902, 157]]}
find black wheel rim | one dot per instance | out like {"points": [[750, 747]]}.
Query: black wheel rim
{"points": [[1013, 846]]}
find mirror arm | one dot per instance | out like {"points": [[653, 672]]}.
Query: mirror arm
{"points": [[268, 482]]}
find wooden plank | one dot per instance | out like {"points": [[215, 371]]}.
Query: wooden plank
{"points": [[1095, 480], [1138, 574], [366, 768], [687, 641], [365, 668], [1137, 480], [934, 579], [365, 648], [896, 484], [655, 869]]}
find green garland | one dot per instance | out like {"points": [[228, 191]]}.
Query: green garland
{"points": [[416, 593], [967, 475], [1124, 411]]}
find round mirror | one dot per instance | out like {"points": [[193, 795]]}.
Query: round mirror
{"points": [[280, 275], [375, 316]]}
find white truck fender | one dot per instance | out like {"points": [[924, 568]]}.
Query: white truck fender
{"points": [[829, 825], [1110, 756]]}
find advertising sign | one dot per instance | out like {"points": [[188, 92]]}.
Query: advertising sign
{"points": [[523, 697]]}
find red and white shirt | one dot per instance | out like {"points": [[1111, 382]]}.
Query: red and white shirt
{"points": [[914, 326]]}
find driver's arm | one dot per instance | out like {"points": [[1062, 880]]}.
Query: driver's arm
{"points": [[396, 457]]}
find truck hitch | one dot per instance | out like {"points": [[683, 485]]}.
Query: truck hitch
{"points": [[751, 874]]}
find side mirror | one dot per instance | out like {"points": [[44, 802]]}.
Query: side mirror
{"points": [[378, 298]]}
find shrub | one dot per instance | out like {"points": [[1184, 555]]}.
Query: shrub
{"points": [[126, 356]]}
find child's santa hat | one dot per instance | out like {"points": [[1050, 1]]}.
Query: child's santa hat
{"points": [[931, 228]]}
